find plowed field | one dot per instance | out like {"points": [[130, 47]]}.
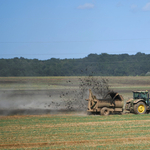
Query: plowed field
{"points": [[72, 131]]}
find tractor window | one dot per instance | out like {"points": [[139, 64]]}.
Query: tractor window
{"points": [[136, 95], [141, 95]]}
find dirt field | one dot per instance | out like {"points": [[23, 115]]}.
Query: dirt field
{"points": [[49, 113]]}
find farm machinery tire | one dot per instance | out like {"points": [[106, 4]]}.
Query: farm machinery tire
{"points": [[105, 111], [140, 108]]}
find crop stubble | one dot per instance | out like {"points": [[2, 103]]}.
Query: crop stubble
{"points": [[70, 131]]}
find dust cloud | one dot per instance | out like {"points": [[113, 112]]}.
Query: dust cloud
{"points": [[54, 101]]}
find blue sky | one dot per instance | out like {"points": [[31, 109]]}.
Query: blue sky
{"points": [[45, 29]]}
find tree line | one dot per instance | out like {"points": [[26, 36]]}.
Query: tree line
{"points": [[93, 65]]}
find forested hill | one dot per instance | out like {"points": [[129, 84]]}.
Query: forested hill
{"points": [[99, 65]]}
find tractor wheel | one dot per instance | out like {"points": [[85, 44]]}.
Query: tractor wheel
{"points": [[105, 111], [140, 108]]}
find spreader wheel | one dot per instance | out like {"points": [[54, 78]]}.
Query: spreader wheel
{"points": [[105, 111], [140, 108]]}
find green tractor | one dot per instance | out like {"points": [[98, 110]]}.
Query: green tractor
{"points": [[140, 103]]}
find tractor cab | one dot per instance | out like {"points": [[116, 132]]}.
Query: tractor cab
{"points": [[140, 103], [141, 95]]}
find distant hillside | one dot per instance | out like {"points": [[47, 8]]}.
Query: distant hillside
{"points": [[99, 65]]}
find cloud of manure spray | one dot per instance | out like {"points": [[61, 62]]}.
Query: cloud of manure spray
{"points": [[99, 87], [48, 102]]}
